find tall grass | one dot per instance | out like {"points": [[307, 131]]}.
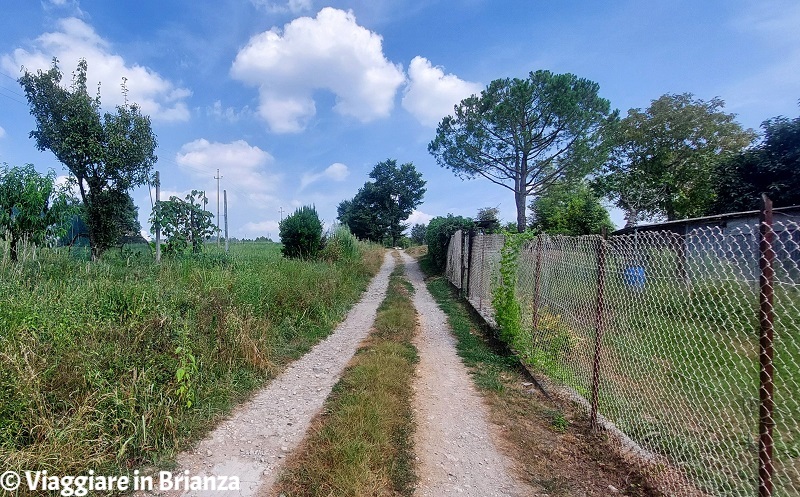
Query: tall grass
{"points": [[117, 364]]}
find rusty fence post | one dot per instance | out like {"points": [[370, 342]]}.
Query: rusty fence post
{"points": [[468, 286], [599, 326], [537, 283], [463, 262], [766, 422]]}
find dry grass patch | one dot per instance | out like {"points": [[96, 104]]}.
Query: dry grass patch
{"points": [[361, 442]]}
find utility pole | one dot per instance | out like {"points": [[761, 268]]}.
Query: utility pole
{"points": [[158, 221], [225, 205], [281, 209], [217, 177]]}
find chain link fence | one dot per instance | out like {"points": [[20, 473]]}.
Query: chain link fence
{"points": [[677, 339]]}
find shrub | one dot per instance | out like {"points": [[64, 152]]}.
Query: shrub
{"points": [[340, 244], [301, 233], [438, 234]]}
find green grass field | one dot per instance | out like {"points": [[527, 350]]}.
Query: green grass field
{"points": [[680, 369], [117, 364]]}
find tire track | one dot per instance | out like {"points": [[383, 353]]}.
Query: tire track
{"points": [[453, 441], [252, 443]]}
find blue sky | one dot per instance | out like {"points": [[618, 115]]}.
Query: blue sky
{"points": [[295, 100]]}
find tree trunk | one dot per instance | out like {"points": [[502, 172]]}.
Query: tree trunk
{"points": [[631, 218], [520, 198], [13, 248]]}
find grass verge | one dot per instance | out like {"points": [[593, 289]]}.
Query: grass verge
{"points": [[361, 443], [551, 441], [116, 365]]}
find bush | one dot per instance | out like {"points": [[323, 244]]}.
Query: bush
{"points": [[301, 233], [438, 234], [340, 245]]}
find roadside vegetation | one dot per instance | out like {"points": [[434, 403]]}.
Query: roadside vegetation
{"points": [[550, 440], [361, 442], [118, 363]]}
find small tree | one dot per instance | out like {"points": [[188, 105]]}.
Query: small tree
{"points": [[569, 209], [107, 154], [301, 233], [440, 229], [184, 223], [488, 219], [32, 207], [418, 233]]}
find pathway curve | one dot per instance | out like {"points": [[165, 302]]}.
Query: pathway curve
{"points": [[453, 441], [254, 440]]}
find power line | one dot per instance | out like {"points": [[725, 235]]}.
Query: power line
{"points": [[12, 91], [2, 88]]}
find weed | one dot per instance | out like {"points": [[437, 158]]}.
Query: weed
{"points": [[559, 422], [120, 363]]}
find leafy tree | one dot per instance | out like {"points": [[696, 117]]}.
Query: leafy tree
{"points": [[524, 134], [32, 207], [772, 167], [184, 223], [361, 216], [488, 219], [108, 154], [664, 157], [381, 205], [569, 208], [301, 233], [440, 229], [418, 233]]}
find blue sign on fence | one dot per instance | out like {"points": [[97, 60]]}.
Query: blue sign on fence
{"points": [[634, 276]]}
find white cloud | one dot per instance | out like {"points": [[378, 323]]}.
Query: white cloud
{"points": [[293, 6], [418, 217], [336, 172], [431, 94], [241, 165], [218, 111], [2, 132], [75, 39], [329, 52]]}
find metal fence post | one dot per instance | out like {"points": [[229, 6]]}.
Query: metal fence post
{"points": [[766, 422], [537, 283], [464, 266], [599, 326], [468, 285]]}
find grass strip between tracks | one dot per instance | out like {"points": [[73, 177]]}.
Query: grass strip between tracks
{"points": [[361, 444]]}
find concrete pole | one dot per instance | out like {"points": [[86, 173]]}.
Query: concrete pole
{"points": [[158, 223]]}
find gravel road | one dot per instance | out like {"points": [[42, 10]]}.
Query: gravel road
{"points": [[454, 442], [253, 442]]}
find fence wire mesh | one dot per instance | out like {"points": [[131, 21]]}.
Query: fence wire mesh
{"points": [[678, 319]]}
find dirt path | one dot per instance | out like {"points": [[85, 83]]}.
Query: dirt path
{"points": [[254, 440], [454, 441]]}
